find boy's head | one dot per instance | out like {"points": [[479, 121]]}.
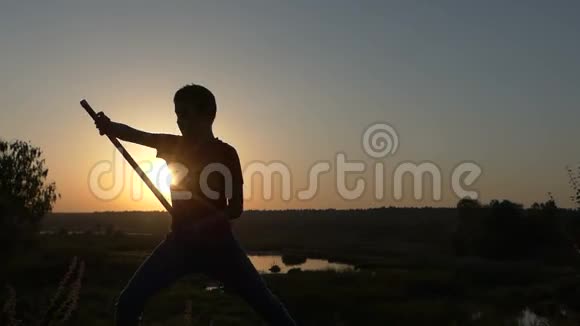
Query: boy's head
{"points": [[195, 108]]}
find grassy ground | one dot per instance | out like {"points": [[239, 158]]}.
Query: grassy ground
{"points": [[391, 290]]}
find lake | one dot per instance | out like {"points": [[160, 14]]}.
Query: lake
{"points": [[265, 264]]}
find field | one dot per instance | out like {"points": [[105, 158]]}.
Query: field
{"points": [[407, 272]]}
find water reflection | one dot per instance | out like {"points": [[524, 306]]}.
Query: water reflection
{"points": [[267, 264], [527, 317], [530, 318]]}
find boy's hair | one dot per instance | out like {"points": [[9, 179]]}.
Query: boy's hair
{"points": [[198, 98]]}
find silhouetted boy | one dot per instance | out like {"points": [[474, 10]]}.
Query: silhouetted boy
{"points": [[208, 194]]}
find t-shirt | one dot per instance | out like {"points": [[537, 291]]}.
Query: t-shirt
{"points": [[203, 177]]}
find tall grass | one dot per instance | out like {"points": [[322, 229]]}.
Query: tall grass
{"points": [[9, 309], [61, 306]]}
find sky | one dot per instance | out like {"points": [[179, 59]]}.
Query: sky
{"points": [[494, 83]]}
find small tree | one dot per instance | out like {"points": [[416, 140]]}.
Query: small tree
{"points": [[25, 195], [574, 180], [574, 224]]}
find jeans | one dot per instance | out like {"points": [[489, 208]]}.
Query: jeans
{"points": [[222, 259]]}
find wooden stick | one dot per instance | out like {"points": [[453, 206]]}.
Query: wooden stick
{"points": [[131, 161]]}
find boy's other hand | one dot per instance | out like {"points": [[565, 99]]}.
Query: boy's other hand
{"points": [[103, 123]]}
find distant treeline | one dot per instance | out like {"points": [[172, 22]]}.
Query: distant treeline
{"points": [[501, 230], [506, 230], [155, 222], [377, 231]]}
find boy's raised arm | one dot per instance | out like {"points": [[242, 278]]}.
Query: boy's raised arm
{"points": [[126, 133]]}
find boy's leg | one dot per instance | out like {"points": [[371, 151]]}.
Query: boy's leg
{"points": [[159, 270], [236, 271]]}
